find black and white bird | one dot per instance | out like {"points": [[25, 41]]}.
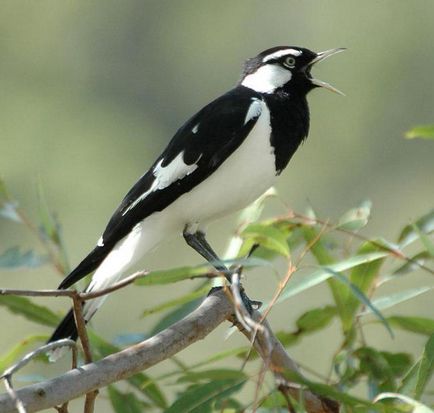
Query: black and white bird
{"points": [[219, 161]]}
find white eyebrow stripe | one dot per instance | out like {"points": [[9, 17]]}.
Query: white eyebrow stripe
{"points": [[281, 53], [166, 175], [255, 109]]}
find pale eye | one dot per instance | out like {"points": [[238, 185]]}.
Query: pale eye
{"points": [[289, 62]]}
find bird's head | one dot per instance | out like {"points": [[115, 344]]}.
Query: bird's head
{"points": [[285, 68]]}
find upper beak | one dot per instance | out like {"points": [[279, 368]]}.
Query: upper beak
{"points": [[322, 56]]}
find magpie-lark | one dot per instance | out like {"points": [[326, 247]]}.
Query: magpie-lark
{"points": [[219, 161]]}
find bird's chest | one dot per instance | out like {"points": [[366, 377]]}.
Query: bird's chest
{"points": [[245, 175]]}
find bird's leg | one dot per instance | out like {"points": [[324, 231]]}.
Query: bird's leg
{"points": [[199, 243]]}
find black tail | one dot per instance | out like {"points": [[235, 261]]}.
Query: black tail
{"points": [[66, 328], [89, 264]]}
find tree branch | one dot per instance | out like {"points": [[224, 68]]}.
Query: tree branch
{"points": [[215, 309]]}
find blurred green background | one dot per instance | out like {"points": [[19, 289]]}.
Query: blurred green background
{"points": [[91, 92]]}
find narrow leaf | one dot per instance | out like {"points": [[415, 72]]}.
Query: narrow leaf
{"points": [[268, 236], [424, 223], [210, 375], [173, 275], [13, 258], [175, 315], [124, 402], [356, 218], [391, 300], [142, 382], [411, 265], [8, 210], [418, 325], [298, 285], [417, 406], [12, 355], [363, 299], [418, 377], [187, 298], [362, 277], [200, 398], [421, 131], [26, 308], [427, 243], [316, 319]]}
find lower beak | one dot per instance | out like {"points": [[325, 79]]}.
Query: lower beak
{"points": [[322, 56]]}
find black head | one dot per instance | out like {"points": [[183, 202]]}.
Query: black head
{"points": [[285, 68]]}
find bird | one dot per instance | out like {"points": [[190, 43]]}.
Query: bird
{"points": [[219, 161]]}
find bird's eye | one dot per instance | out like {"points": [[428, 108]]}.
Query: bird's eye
{"points": [[290, 62]]}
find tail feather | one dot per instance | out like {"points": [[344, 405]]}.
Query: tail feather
{"points": [[92, 261], [66, 328]]}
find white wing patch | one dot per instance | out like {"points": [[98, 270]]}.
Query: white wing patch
{"points": [[267, 78], [254, 110], [195, 128], [166, 175], [281, 53]]}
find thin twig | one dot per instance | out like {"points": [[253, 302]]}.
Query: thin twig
{"points": [[7, 374], [393, 251], [11, 391]]}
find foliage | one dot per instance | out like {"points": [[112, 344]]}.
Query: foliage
{"points": [[423, 131], [363, 377]]}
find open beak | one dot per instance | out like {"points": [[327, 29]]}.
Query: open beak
{"points": [[322, 56]]}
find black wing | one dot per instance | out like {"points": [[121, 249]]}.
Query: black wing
{"points": [[207, 139]]}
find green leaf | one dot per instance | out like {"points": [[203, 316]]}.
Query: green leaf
{"points": [[424, 223], [421, 131], [320, 251], [173, 275], [427, 243], [220, 356], [33, 312], [12, 355], [9, 211], [419, 325], [124, 402], [187, 298], [398, 362], [417, 406], [13, 258], [199, 398], [296, 286], [175, 315], [142, 382], [418, 377], [362, 278], [268, 236], [388, 301], [356, 218], [316, 319], [363, 299], [326, 390], [411, 265], [211, 375]]}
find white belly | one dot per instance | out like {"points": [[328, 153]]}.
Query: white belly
{"points": [[241, 179]]}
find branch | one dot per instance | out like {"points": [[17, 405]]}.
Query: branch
{"points": [[215, 309]]}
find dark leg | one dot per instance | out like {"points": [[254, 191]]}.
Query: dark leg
{"points": [[198, 242]]}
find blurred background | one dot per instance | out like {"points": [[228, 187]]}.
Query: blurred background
{"points": [[91, 92]]}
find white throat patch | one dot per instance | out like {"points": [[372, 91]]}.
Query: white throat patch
{"points": [[267, 78]]}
